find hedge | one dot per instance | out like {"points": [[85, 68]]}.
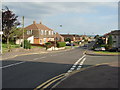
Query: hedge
{"points": [[48, 45], [61, 44], [27, 44]]}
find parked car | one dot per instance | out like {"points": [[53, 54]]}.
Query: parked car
{"points": [[85, 45], [113, 49], [100, 49], [70, 44]]}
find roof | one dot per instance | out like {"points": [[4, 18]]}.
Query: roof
{"points": [[70, 35], [36, 26], [115, 32]]}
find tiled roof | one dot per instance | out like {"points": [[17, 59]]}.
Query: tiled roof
{"points": [[36, 26]]}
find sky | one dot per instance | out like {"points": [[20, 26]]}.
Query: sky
{"points": [[90, 18]]}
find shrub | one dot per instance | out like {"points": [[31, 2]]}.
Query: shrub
{"points": [[27, 44], [47, 45], [61, 44]]}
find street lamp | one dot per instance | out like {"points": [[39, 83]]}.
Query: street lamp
{"points": [[56, 37]]}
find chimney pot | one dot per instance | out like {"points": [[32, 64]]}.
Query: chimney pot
{"points": [[40, 22], [34, 22]]}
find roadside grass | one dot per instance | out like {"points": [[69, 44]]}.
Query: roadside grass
{"points": [[106, 52], [5, 49], [68, 47], [36, 46]]}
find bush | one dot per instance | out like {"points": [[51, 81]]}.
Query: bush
{"points": [[27, 44], [48, 45], [61, 44]]}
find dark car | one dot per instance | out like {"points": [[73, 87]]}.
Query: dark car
{"points": [[113, 49], [70, 44]]}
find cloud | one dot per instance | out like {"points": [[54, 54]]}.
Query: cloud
{"points": [[75, 17]]}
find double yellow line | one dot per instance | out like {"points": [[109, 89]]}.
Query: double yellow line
{"points": [[50, 81]]}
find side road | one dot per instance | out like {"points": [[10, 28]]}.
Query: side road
{"points": [[21, 52], [99, 76]]}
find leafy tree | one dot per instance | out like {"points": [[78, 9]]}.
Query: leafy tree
{"points": [[110, 41], [68, 40], [96, 37], [9, 22]]}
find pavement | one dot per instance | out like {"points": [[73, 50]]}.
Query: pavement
{"points": [[21, 52], [98, 76]]}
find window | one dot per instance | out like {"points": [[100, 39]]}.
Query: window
{"points": [[44, 40], [49, 32], [114, 36], [28, 32], [52, 32], [45, 32], [41, 32]]}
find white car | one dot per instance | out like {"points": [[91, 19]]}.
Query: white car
{"points": [[100, 49]]}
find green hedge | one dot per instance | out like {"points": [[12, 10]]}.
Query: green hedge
{"points": [[48, 45], [61, 44], [27, 44]]}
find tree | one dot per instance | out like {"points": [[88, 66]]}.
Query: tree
{"points": [[9, 22], [110, 41], [96, 37], [68, 39]]}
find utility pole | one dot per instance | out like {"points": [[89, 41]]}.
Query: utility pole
{"points": [[55, 39], [23, 29]]}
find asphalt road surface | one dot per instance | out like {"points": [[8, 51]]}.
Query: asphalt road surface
{"points": [[32, 70]]}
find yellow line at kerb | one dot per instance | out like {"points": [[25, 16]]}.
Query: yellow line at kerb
{"points": [[48, 81], [53, 82]]}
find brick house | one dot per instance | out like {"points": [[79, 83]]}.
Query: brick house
{"points": [[37, 33], [73, 37], [115, 38], [59, 38]]}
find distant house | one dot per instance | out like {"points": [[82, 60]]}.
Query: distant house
{"points": [[59, 38], [73, 37], [37, 33], [115, 38]]}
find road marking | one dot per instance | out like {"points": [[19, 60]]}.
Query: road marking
{"points": [[47, 82], [81, 63], [35, 58], [19, 63], [12, 64], [53, 82], [76, 63], [42, 57]]}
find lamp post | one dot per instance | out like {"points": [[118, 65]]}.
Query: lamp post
{"points": [[23, 29], [56, 37]]}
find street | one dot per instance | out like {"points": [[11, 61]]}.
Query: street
{"points": [[30, 71]]}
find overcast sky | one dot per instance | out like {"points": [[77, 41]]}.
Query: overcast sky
{"points": [[75, 17]]}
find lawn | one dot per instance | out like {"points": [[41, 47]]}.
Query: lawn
{"points": [[5, 49], [106, 52]]}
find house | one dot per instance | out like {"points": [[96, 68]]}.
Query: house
{"points": [[73, 37], [59, 38], [115, 38], [37, 33]]}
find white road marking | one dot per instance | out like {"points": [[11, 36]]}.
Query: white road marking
{"points": [[81, 63], [76, 63], [42, 57], [19, 63], [35, 58], [12, 64]]}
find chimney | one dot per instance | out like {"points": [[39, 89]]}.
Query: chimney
{"points": [[34, 22], [40, 22]]}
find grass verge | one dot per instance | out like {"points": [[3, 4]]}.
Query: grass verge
{"points": [[106, 52]]}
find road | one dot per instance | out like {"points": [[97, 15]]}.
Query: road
{"points": [[32, 70]]}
